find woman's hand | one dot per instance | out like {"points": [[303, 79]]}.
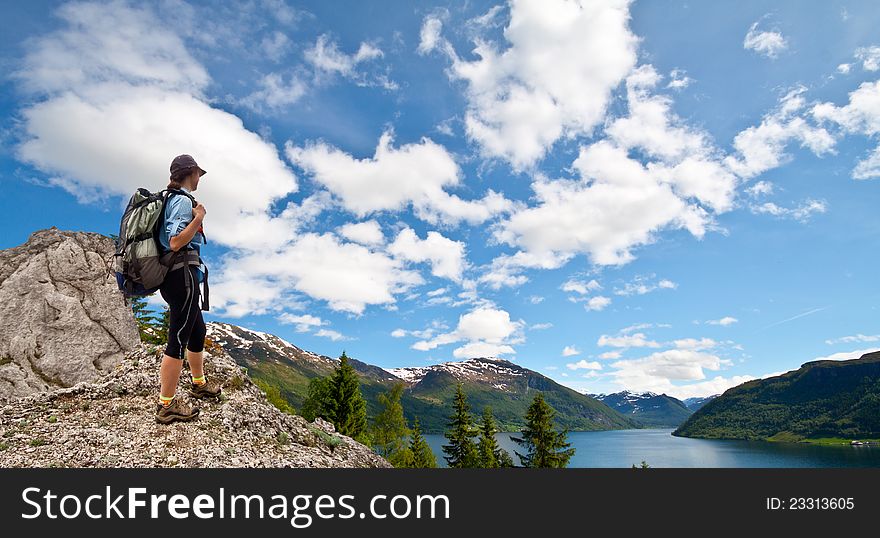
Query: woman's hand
{"points": [[199, 212]]}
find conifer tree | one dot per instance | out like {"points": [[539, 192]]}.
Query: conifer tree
{"points": [[487, 446], [347, 408], [150, 326], [390, 430], [545, 447], [461, 451], [420, 452]]}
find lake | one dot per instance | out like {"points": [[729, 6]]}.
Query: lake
{"points": [[623, 448]]}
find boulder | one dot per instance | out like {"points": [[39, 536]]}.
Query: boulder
{"points": [[63, 320]]}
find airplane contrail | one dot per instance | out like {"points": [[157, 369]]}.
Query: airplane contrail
{"points": [[802, 314]]}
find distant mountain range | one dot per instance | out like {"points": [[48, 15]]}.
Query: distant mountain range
{"points": [[695, 403], [821, 399], [652, 410], [507, 387]]}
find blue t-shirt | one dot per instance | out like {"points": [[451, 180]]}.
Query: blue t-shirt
{"points": [[178, 215]]}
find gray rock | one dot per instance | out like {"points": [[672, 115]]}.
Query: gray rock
{"points": [[62, 319], [97, 425]]}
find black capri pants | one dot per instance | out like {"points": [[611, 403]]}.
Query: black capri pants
{"points": [[186, 327]]}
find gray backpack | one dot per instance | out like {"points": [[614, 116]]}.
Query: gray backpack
{"points": [[140, 261]]}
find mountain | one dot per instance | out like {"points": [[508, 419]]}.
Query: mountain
{"points": [[652, 410], [695, 403], [821, 399], [506, 387]]}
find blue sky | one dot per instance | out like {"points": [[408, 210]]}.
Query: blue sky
{"points": [[675, 197]]}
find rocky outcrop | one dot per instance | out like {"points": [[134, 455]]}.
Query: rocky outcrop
{"points": [[53, 287], [111, 423]]}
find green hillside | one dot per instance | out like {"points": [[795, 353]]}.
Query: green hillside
{"points": [[505, 386], [821, 399]]}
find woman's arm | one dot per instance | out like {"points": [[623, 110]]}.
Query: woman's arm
{"points": [[184, 237]]}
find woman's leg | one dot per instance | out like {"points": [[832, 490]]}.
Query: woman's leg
{"points": [[195, 347], [181, 298]]}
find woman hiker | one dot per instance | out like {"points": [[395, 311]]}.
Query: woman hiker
{"points": [[181, 238]]}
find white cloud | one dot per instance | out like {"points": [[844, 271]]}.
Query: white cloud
{"points": [[554, 79], [486, 331], [331, 334], [844, 69], [870, 57], [115, 69], [759, 189], [611, 355], [854, 338], [303, 323], [626, 341], [658, 371], [326, 57], [275, 93], [447, 257], [694, 343], [724, 322], [540, 326], [583, 365], [761, 148], [398, 333], [367, 233], [765, 43], [846, 355], [570, 351], [413, 174], [860, 116], [275, 46], [347, 276], [641, 285], [801, 213], [678, 80], [597, 303], [580, 286]]}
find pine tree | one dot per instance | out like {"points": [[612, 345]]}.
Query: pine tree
{"points": [[347, 408], [420, 452], [544, 445], [390, 430], [148, 323], [461, 451], [487, 446]]}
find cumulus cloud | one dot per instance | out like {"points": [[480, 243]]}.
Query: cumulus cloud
{"points": [[761, 148], [553, 79], [846, 355], [486, 331], [113, 68], [327, 59], [597, 303], [413, 175], [348, 276], [581, 287], [368, 233], [765, 42], [861, 115], [275, 92], [570, 351], [447, 257], [303, 323], [660, 371]]}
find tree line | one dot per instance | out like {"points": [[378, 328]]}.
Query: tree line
{"points": [[338, 399]]}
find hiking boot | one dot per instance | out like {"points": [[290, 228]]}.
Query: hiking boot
{"points": [[208, 389], [176, 410]]}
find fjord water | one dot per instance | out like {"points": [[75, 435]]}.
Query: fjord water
{"points": [[623, 448]]}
